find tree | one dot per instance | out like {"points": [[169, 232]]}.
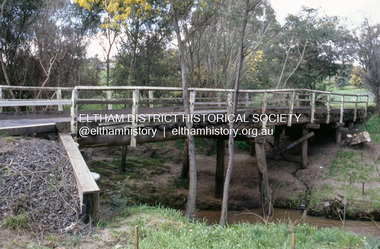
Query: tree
{"points": [[247, 9], [305, 51], [369, 56], [186, 103], [113, 15]]}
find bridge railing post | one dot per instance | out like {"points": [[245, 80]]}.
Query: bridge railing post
{"points": [[109, 97], [291, 107], [135, 108], [366, 106], [1, 98], [59, 97], [356, 108], [74, 111], [328, 108], [264, 107], [341, 109], [150, 96], [312, 106]]}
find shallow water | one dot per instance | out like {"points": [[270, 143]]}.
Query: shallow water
{"points": [[252, 216]]}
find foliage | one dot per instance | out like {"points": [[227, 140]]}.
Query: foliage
{"points": [[369, 55]]}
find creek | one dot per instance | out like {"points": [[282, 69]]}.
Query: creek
{"points": [[367, 228]]}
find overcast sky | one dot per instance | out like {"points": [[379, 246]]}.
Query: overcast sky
{"points": [[353, 10]]}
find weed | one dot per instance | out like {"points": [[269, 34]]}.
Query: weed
{"points": [[18, 222]]}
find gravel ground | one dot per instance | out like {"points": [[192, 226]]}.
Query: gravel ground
{"points": [[36, 180]]}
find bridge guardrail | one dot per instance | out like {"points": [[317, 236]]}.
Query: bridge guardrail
{"points": [[152, 97]]}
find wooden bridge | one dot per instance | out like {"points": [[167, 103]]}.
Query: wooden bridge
{"points": [[108, 116]]}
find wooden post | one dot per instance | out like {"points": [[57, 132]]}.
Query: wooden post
{"points": [[74, 111], [135, 108], [338, 136], [123, 159], [312, 107], [59, 97], [137, 237], [328, 108], [305, 131], [247, 99], [277, 137], [252, 148], [291, 109], [341, 109], [293, 241], [150, 95], [109, 97], [185, 161], [263, 173], [1, 98], [366, 107], [264, 108], [356, 108], [219, 100], [219, 173]]}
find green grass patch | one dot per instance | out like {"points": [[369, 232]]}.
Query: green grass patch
{"points": [[166, 228], [18, 222], [373, 126]]}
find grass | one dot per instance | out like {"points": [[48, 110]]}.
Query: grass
{"points": [[18, 222], [350, 169], [166, 228]]}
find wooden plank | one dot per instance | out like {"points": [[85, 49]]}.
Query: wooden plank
{"points": [[12, 102], [305, 137], [29, 129], [88, 190]]}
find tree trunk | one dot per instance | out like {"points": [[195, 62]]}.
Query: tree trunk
{"points": [[223, 216], [193, 170]]}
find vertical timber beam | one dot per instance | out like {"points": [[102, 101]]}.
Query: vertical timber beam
{"points": [[59, 97], [356, 108], [219, 173], [74, 111], [123, 159], [264, 108], [291, 108], [312, 115], [328, 108], [135, 108], [263, 173], [1, 98], [150, 96], [109, 97], [341, 109], [338, 135], [277, 137], [305, 131]]}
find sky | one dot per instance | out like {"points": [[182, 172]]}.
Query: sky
{"points": [[354, 11]]}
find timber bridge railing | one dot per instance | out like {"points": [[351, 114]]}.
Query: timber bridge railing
{"points": [[133, 100]]}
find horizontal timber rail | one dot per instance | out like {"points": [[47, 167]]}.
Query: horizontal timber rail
{"points": [[149, 99], [30, 97]]}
